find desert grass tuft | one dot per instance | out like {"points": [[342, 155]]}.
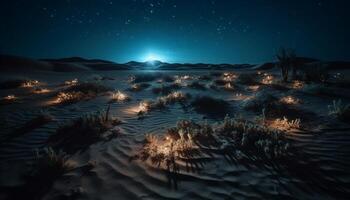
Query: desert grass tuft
{"points": [[84, 131], [340, 110], [137, 87]]}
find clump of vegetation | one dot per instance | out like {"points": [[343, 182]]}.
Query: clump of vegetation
{"points": [[80, 91], [177, 97], [120, 97], [71, 82], [30, 83], [340, 110], [210, 106], [139, 87], [166, 89], [41, 91], [8, 99], [285, 124], [84, 131], [50, 164], [70, 97], [162, 102], [290, 100], [247, 79], [251, 137], [261, 100], [47, 166], [188, 141], [88, 88], [286, 61], [272, 106], [197, 85]]}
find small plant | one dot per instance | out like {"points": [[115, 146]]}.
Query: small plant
{"points": [[340, 110], [267, 79], [8, 99], [120, 97], [248, 136], [210, 106], [137, 87], [41, 91], [162, 102], [71, 82], [290, 100], [78, 92], [30, 83], [49, 164], [285, 124], [69, 97], [84, 131]]}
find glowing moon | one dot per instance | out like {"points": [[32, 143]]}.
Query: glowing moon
{"points": [[152, 57]]}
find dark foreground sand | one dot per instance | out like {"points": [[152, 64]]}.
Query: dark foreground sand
{"points": [[320, 172]]}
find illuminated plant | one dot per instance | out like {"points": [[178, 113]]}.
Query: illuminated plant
{"points": [[30, 83], [71, 82], [248, 136], [41, 91], [297, 84], [267, 79], [285, 124], [229, 87], [8, 99], [69, 97], [189, 141], [80, 91], [139, 87], [289, 100], [120, 97]]}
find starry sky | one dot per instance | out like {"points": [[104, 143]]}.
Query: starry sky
{"points": [[207, 31]]}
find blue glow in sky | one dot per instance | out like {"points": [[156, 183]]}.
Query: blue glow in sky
{"points": [[207, 31]]}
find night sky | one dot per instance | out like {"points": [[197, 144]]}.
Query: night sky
{"points": [[215, 31]]}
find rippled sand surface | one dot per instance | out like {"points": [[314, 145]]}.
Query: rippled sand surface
{"points": [[322, 172]]}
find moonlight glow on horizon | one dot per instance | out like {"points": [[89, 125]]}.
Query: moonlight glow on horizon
{"points": [[153, 56]]}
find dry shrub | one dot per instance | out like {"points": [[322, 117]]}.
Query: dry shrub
{"points": [[137, 87], [248, 79], [84, 131], [210, 106], [340, 110]]}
